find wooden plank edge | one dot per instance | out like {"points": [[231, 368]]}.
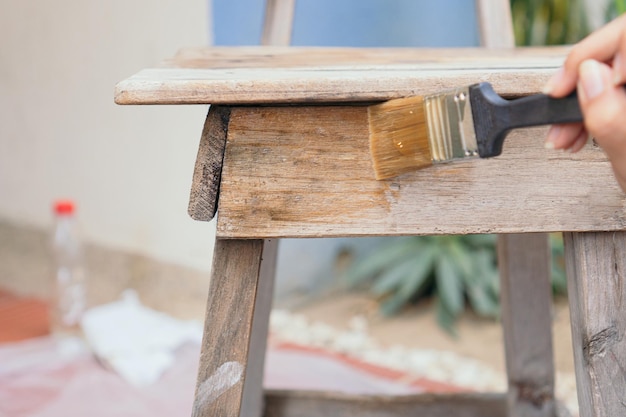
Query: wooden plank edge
{"points": [[252, 398], [304, 232], [372, 86], [283, 403], [208, 169], [526, 307], [595, 267], [318, 404], [297, 55]]}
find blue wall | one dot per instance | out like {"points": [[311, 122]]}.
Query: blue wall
{"points": [[354, 22]]}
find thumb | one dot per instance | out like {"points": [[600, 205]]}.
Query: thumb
{"points": [[603, 106]]}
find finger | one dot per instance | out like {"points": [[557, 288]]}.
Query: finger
{"points": [[619, 65], [601, 45], [603, 105], [563, 136], [579, 142]]}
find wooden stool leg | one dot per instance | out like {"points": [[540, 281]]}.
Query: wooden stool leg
{"points": [[235, 329], [526, 298], [596, 268], [278, 23], [252, 404]]}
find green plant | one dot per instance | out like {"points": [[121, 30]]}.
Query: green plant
{"points": [[452, 268], [616, 8], [549, 22], [455, 270], [558, 277]]}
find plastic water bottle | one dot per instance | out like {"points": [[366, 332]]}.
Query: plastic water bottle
{"points": [[69, 292]]}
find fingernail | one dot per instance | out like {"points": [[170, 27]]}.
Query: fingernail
{"points": [[553, 134], [591, 78], [617, 69], [547, 89]]}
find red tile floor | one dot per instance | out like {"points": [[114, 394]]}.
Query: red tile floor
{"points": [[41, 376]]}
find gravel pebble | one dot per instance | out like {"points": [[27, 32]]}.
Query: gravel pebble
{"points": [[442, 366]]}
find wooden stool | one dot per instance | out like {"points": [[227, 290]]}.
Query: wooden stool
{"points": [[304, 170]]}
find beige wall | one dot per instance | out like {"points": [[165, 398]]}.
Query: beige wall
{"points": [[129, 168]]}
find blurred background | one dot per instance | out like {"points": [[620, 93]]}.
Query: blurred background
{"points": [[61, 135], [129, 168]]}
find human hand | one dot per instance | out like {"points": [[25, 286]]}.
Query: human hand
{"points": [[597, 68]]}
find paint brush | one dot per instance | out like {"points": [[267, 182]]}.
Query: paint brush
{"points": [[408, 134]]}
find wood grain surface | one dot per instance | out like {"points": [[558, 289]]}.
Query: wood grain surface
{"points": [[208, 168], [224, 57], [596, 268], [306, 172], [526, 298], [320, 75], [253, 394], [323, 404], [227, 328]]}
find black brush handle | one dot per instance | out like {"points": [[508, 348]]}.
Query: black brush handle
{"points": [[494, 116]]}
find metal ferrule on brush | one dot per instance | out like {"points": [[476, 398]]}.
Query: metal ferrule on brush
{"points": [[450, 125]]}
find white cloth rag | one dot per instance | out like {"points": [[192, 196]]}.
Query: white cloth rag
{"points": [[135, 341]]}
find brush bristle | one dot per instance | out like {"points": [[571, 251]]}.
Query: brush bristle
{"points": [[398, 137]]}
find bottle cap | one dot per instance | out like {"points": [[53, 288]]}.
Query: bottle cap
{"points": [[64, 207]]}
